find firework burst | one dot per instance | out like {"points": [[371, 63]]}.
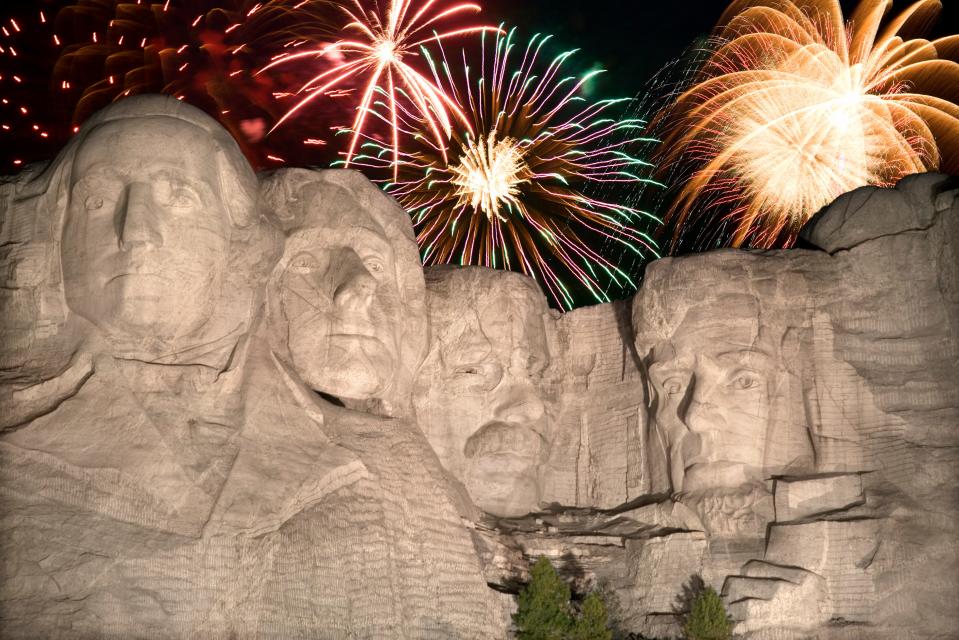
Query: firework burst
{"points": [[794, 107], [511, 193], [92, 52], [380, 53]]}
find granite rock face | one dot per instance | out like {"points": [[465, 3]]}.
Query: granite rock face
{"points": [[803, 420], [482, 396], [207, 425], [233, 407]]}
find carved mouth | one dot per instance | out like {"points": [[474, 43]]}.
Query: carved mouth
{"points": [[502, 439], [366, 340]]}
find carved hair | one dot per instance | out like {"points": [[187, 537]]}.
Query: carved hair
{"points": [[238, 186], [445, 285]]}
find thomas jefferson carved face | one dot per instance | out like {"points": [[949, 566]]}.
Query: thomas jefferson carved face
{"points": [[146, 232], [339, 295], [480, 398]]}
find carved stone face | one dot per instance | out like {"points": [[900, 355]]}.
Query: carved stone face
{"points": [[480, 397], [339, 296], [146, 233], [713, 381]]}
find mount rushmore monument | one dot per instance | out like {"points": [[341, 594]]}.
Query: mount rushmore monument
{"points": [[237, 406]]}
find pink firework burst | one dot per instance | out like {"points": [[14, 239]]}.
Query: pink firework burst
{"points": [[380, 52]]}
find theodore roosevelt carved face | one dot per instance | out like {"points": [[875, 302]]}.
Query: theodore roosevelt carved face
{"points": [[480, 397]]}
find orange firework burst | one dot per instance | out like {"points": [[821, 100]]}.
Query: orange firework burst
{"points": [[795, 107], [379, 53]]}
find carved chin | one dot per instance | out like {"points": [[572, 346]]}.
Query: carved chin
{"points": [[720, 474], [147, 306], [350, 367], [503, 485]]}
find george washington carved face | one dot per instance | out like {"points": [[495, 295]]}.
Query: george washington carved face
{"points": [[146, 233]]}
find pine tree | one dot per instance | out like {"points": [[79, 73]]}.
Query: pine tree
{"points": [[707, 620], [544, 612], [592, 623]]}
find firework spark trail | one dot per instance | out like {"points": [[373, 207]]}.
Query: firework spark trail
{"points": [[24, 39], [200, 51], [794, 107], [378, 53], [511, 191]]}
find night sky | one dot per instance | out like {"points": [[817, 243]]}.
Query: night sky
{"points": [[630, 40]]}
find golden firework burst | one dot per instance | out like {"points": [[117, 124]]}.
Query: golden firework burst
{"points": [[794, 107]]}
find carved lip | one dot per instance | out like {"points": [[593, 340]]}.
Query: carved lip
{"points": [[496, 439], [698, 461], [359, 336]]}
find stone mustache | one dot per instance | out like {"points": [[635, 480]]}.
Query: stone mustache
{"points": [[232, 406]]}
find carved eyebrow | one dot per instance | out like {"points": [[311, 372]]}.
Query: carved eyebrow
{"points": [[745, 355], [200, 186], [96, 171], [665, 368], [374, 238]]}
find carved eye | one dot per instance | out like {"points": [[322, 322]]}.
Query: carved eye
{"points": [[466, 371], [374, 265], [93, 203], [744, 381], [673, 386], [183, 199], [303, 263], [480, 376]]}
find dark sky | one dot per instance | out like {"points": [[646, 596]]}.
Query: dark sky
{"points": [[634, 39], [631, 40]]}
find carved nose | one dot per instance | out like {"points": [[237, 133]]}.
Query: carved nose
{"points": [[355, 287], [138, 220], [520, 404]]}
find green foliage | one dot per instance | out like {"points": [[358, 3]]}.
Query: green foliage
{"points": [[592, 623], [544, 612], [707, 619]]}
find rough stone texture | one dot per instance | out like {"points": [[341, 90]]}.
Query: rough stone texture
{"points": [[599, 453], [481, 396], [804, 414], [174, 472], [803, 498], [214, 423], [856, 409]]}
